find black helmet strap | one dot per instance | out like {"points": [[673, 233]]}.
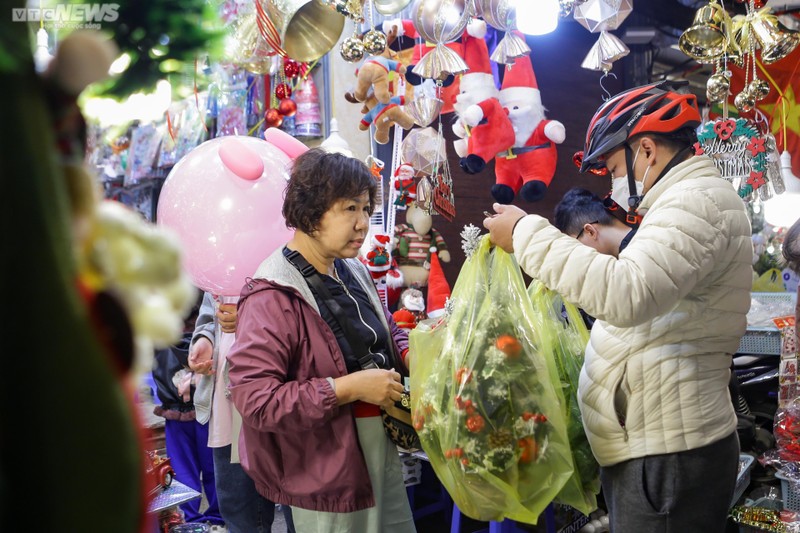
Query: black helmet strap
{"points": [[633, 199]]}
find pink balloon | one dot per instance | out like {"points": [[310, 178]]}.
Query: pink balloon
{"points": [[227, 219]]}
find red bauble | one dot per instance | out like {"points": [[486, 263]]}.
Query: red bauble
{"points": [[273, 118], [291, 68], [287, 107], [282, 90]]}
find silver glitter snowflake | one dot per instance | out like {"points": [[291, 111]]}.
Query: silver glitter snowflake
{"points": [[470, 239]]}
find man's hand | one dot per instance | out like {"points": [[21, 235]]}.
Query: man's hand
{"points": [[226, 315], [501, 225], [200, 356]]}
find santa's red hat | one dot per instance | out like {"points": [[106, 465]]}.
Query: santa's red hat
{"points": [[401, 167], [476, 56], [438, 288], [519, 82]]}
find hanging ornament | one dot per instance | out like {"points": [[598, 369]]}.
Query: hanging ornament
{"points": [[743, 155], [352, 49], [745, 101], [273, 118], [424, 109], [439, 22], [287, 107], [707, 39], [565, 8], [390, 7], [247, 48], [423, 149], [424, 194], [599, 15], [352, 9], [283, 90], [291, 69], [374, 42], [758, 88], [718, 86], [604, 52], [502, 15]]}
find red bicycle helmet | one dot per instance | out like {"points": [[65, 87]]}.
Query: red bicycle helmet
{"points": [[652, 108]]}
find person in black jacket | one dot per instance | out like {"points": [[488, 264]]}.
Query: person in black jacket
{"points": [[186, 438]]}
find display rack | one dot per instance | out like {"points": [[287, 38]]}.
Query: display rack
{"points": [[766, 340]]}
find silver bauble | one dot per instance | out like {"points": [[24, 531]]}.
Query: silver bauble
{"points": [[758, 88], [352, 49], [717, 87], [744, 101], [439, 21], [374, 42]]}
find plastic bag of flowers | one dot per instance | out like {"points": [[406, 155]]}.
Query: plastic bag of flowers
{"points": [[486, 396], [561, 326]]}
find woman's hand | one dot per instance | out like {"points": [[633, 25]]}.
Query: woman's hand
{"points": [[200, 356], [375, 386], [226, 315]]}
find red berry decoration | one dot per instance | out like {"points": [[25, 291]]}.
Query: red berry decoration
{"points": [[291, 68], [273, 118], [287, 107], [282, 90], [509, 345], [475, 423], [529, 450]]}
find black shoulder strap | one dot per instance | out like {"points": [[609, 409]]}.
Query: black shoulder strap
{"points": [[315, 282]]}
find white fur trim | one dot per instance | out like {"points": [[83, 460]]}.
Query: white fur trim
{"points": [[476, 28], [436, 313], [473, 115], [477, 80], [387, 26], [527, 95], [554, 130]]}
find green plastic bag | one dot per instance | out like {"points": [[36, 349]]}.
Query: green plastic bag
{"points": [[568, 337], [484, 396]]}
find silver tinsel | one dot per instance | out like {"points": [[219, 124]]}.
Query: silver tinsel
{"points": [[470, 239]]}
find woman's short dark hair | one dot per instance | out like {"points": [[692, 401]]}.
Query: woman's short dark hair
{"points": [[579, 207], [318, 179]]}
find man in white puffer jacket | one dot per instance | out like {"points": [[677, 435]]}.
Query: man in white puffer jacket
{"points": [[670, 312]]}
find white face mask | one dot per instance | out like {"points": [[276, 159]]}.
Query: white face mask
{"points": [[619, 190], [619, 186]]}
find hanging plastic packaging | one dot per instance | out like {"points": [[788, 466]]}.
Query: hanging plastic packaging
{"points": [[486, 398], [561, 326]]}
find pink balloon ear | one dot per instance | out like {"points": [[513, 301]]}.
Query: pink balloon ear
{"points": [[241, 160], [288, 144]]}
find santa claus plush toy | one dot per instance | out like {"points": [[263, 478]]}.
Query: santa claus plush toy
{"points": [[379, 258], [404, 185], [484, 130], [528, 167]]}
